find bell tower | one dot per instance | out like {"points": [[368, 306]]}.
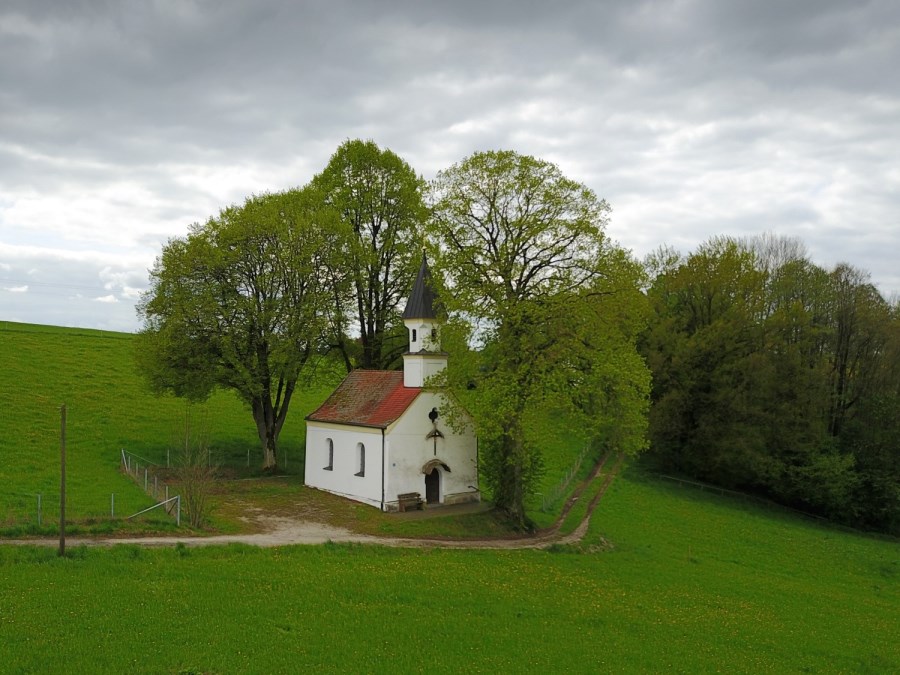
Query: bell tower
{"points": [[420, 317]]}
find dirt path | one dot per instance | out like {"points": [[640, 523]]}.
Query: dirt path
{"points": [[281, 531]]}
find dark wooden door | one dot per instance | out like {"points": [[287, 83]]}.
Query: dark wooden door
{"points": [[433, 487]]}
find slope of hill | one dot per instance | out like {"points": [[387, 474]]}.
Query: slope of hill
{"points": [[669, 578], [109, 409]]}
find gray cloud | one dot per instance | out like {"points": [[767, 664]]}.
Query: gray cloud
{"points": [[43, 285], [122, 123]]}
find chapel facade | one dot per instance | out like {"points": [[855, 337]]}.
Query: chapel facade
{"points": [[382, 439]]}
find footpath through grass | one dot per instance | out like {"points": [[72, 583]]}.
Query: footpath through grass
{"points": [[693, 582]]}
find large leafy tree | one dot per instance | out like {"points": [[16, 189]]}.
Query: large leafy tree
{"points": [[239, 303], [544, 313], [378, 199]]}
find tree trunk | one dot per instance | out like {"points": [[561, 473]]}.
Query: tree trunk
{"points": [[517, 507], [509, 491], [269, 452], [342, 346], [266, 429]]}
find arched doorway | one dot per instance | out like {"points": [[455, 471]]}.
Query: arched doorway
{"points": [[433, 486]]}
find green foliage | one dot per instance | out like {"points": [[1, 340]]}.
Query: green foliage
{"points": [[764, 366], [240, 303], [544, 314], [377, 199]]}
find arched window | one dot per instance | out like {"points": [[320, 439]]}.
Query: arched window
{"points": [[329, 452], [361, 458]]}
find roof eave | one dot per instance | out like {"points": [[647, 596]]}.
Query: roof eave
{"points": [[342, 423]]}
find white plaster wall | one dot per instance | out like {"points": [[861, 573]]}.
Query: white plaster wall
{"points": [[424, 340], [413, 371], [407, 451], [433, 365], [423, 331], [341, 479], [417, 368]]}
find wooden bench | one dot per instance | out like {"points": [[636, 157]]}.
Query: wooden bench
{"points": [[410, 500]]}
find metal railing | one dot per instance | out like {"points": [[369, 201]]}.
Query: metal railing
{"points": [[148, 475]]}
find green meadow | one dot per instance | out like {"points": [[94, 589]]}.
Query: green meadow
{"points": [[668, 579], [108, 409]]}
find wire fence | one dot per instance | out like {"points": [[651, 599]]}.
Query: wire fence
{"points": [[38, 511], [42, 508], [561, 489], [230, 459], [763, 501], [154, 479]]}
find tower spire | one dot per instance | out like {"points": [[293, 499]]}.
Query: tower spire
{"points": [[424, 357], [422, 301]]}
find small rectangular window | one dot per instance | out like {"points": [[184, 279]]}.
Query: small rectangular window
{"points": [[414, 335], [361, 456], [330, 451]]}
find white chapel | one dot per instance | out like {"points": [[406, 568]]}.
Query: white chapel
{"points": [[381, 438]]}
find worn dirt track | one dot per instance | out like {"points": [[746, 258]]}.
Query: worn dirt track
{"points": [[281, 531]]}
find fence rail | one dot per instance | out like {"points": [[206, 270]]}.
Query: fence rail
{"points": [[562, 488], [169, 504], [34, 507], [153, 478], [749, 497]]}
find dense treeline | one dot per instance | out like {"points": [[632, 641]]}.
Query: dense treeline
{"points": [[774, 375]]}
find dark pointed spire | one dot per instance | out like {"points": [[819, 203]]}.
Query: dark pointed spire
{"points": [[422, 303]]}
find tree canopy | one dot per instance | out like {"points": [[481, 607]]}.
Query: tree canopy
{"points": [[544, 311], [240, 303], [377, 198]]}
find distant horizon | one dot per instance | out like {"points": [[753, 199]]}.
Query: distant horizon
{"points": [[892, 298]]}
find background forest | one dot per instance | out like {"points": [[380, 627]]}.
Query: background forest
{"points": [[773, 375]]}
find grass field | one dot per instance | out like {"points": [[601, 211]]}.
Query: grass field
{"points": [[108, 409], [669, 580]]}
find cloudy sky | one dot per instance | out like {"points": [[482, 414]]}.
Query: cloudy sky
{"points": [[121, 123]]}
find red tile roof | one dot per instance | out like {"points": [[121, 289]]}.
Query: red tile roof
{"points": [[368, 398]]}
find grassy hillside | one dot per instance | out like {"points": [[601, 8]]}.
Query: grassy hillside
{"points": [[670, 580], [93, 373], [110, 409]]}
